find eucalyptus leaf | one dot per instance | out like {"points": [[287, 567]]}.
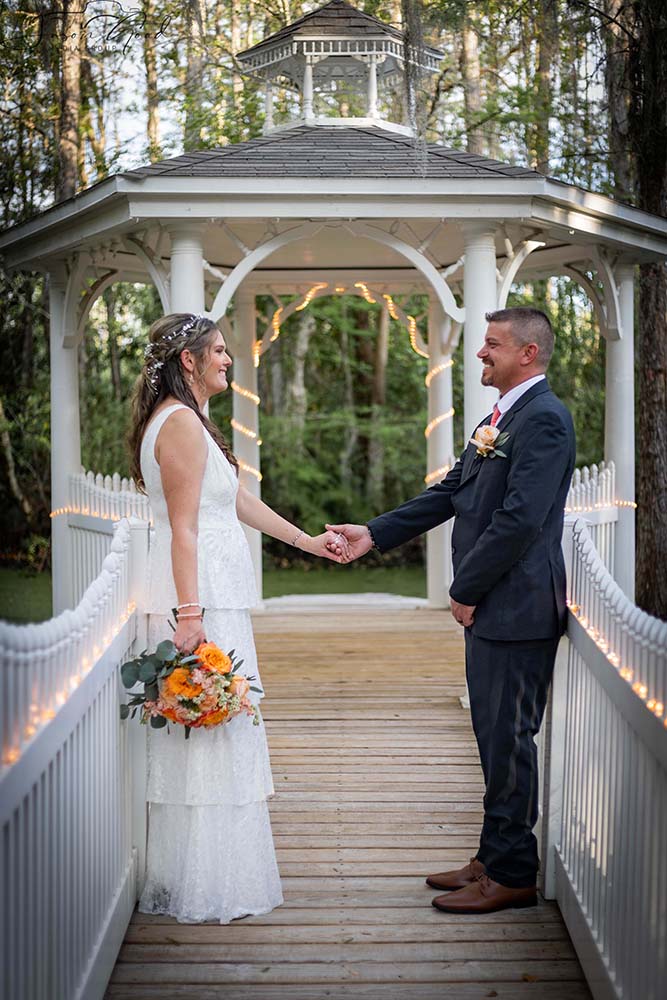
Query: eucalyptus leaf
{"points": [[165, 651], [124, 711], [151, 691], [258, 690], [501, 454], [148, 672], [158, 722], [129, 673]]}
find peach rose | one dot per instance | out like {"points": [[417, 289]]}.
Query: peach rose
{"points": [[484, 439], [213, 657], [239, 685]]}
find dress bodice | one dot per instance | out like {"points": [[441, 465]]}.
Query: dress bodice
{"points": [[225, 571]]}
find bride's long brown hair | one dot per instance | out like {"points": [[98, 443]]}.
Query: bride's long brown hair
{"points": [[163, 376]]}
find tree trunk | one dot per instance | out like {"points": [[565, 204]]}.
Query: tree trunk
{"points": [[194, 75], [547, 36], [150, 67], [472, 87], [617, 81], [297, 397], [649, 134], [14, 485], [70, 100], [109, 297], [375, 481], [235, 40], [351, 430]]}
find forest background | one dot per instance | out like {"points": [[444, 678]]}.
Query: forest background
{"points": [[574, 89]]}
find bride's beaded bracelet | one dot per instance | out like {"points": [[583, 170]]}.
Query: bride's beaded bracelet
{"points": [[181, 617], [192, 604]]}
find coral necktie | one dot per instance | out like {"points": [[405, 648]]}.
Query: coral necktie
{"points": [[496, 416]]}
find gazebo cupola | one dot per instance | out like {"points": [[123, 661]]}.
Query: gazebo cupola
{"points": [[334, 48]]}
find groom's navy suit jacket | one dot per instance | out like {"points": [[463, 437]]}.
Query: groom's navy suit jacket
{"points": [[506, 542]]}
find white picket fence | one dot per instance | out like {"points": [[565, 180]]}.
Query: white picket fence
{"points": [[96, 503], [592, 496], [606, 782], [72, 818]]}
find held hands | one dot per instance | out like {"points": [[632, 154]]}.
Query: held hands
{"points": [[355, 539], [328, 545]]}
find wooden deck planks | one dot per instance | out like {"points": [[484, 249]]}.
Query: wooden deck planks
{"points": [[376, 785]]}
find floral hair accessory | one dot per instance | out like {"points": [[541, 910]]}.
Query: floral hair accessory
{"points": [[153, 365]]}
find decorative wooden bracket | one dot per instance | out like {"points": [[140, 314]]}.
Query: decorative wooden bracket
{"points": [[155, 266]]}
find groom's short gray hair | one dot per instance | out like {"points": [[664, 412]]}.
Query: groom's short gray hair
{"points": [[529, 326]]}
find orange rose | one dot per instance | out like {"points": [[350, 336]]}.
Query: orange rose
{"points": [[169, 713], [239, 685], [214, 718], [179, 685], [213, 657]]}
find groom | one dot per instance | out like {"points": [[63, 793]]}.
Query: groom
{"points": [[506, 494]]}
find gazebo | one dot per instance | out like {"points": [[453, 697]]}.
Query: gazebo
{"points": [[325, 205]]}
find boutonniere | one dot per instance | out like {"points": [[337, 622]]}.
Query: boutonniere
{"points": [[487, 441]]}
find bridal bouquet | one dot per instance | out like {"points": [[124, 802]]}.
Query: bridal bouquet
{"points": [[201, 690]]}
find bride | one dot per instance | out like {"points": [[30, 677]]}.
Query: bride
{"points": [[210, 850]]}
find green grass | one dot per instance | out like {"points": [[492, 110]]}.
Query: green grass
{"points": [[24, 597], [409, 580], [27, 598]]}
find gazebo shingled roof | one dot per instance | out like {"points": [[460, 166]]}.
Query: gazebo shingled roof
{"points": [[331, 19], [333, 152]]}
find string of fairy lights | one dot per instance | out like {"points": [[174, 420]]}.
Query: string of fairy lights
{"points": [[640, 687], [361, 288], [38, 715]]}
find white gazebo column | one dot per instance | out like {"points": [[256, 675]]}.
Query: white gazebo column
{"points": [[479, 297], [246, 413], [307, 102], [65, 440], [439, 449], [268, 106], [372, 88], [619, 431], [187, 269]]}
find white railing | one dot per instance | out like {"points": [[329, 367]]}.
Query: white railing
{"points": [[96, 503], [71, 816], [605, 817], [592, 496]]}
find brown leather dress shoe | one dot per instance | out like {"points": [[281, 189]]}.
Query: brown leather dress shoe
{"points": [[458, 878], [485, 896]]}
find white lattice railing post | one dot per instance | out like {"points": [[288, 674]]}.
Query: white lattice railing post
{"points": [[137, 755], [552, 748]]}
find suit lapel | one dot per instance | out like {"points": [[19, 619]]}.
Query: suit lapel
{"points": [[472, 462], [535, 390]]}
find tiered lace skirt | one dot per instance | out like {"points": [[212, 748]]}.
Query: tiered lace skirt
{"points": [[210, 848]]}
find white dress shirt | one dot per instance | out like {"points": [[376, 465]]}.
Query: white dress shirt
{"points": [[508, 400]]}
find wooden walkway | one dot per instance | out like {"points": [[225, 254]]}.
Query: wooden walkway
{"points": [[376, 786]]}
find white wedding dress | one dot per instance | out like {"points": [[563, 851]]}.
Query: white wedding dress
{"points": [[210, 848]]}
